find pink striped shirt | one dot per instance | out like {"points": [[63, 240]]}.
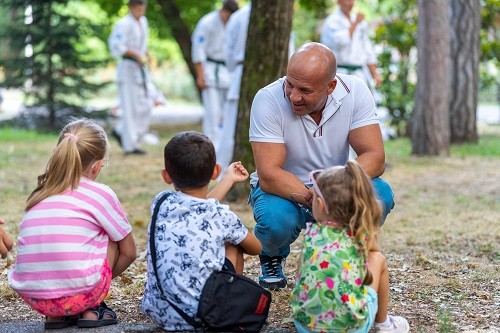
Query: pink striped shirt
{"points": [[63, 241]]}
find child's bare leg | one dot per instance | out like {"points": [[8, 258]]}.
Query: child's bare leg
{"points": [[380, 283], [235, 254]]}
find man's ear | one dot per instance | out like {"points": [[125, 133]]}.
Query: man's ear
{"points": [[166, 177], [331, 86], [217, 171]]}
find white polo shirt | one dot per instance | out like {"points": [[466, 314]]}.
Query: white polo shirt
{"points": [[311, 146]]}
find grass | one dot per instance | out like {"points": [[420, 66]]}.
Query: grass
{"points": [[441, 240]]}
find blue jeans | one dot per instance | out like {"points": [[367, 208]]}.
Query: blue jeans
{"points": [[279, 220]]}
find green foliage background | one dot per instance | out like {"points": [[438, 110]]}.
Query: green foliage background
{"points": [[395, 33]]}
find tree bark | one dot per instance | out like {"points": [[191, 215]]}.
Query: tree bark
{"points": [[180, 31], [465, 50], [431, 125], [266, 59]]}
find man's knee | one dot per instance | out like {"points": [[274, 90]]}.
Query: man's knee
{"points": [[384, 193], [278, 225]]}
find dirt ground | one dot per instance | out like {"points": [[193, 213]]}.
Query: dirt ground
{"points": [[441, 240]]}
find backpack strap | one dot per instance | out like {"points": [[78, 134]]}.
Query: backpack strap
{"points": [[152, 250]]}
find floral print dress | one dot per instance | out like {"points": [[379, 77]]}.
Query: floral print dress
{"points": [[329, 295]]}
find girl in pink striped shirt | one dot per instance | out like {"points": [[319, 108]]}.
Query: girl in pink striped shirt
{"points": [[74, 236]]}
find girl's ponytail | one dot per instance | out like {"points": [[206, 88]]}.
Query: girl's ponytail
{"points": [[80, 144], [350, 191]]}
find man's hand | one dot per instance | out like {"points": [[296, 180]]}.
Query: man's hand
{"points": [[200, 82], [360, 17]]}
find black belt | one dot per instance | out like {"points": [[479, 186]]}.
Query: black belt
{"points": [[218, 63], [350, 68], [143, 73]]}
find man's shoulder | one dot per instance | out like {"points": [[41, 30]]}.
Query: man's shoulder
{"points": [[333, 16], [274, 86], [126, 22], [213, 16], [349, 80]]}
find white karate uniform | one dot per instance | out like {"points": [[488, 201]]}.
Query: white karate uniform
{"points": [[208, 48], [350, 51], [236, 39], [131, 34], [236, 36]]}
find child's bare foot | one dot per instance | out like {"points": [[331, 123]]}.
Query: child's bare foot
{"points": [[98, 316]]}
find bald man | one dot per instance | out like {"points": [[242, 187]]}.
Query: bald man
{"points": [[303, 122]]}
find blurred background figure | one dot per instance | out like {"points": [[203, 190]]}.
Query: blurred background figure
{"points": [[212, 75], [236, 40], [129, 41], [156, 99], [346, 34]]}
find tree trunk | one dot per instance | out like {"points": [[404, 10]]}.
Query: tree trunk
{"points": [[465, 49], [266, 59], [431, 125], [180, 31]]}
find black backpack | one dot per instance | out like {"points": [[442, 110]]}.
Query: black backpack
{"points": [[229, 302]]}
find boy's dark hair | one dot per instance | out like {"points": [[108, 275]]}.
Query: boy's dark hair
{"points": [[230, 5], [132, 3], [190, 159]]}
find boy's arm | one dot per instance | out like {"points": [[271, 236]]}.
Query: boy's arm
{"points": [[251, 245], [6, 243], [236, 173]]}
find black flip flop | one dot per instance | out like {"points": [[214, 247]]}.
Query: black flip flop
{"points": [[67, 321], [105, 316]]}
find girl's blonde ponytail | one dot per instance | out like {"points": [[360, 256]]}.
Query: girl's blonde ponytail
{"points": [[81, 143]]}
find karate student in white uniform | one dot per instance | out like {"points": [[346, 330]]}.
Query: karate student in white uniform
{"points": [[346, 34], [128, 41], [212, 77], [236, 40]]}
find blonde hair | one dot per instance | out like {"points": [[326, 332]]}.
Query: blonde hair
{"points": [[81, 143], [352, 203]]}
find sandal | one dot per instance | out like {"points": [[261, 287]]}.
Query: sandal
{"points": [[105, 316], [66, 321]]}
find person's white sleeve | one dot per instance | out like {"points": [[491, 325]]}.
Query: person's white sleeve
{"points": [[265, 119], [234, 229], [199, 43], [291, 45], [369, 49], [232, 34], [365, 112], [117, 40], [334, 34], [146, 28]]}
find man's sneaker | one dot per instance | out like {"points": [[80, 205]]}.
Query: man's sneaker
{"points": [[272, 276], [399, 325]]}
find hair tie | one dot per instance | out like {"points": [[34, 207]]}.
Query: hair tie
{"points": [[71, 136]]}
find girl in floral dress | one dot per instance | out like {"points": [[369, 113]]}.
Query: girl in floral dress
{"points": [[342, 283]]}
